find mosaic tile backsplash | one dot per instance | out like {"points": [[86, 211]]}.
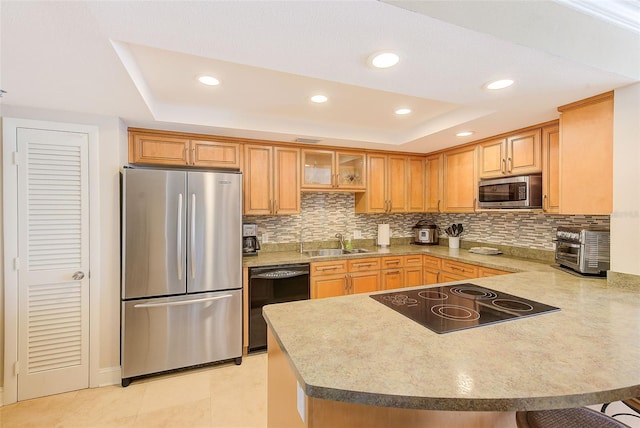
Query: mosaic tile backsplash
{"points": [[325, 214]]}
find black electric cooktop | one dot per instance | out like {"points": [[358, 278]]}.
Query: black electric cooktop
{"points": [[460, 306]]}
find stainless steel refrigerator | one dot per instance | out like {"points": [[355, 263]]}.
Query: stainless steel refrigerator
{"points": [[181, 269]]}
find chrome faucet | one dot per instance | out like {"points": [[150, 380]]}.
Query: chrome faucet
{"points": [[341, 238]]}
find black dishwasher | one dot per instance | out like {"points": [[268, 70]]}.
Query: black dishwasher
{"points": [[273, 284]]}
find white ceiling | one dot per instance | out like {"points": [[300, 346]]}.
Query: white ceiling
{"points": [[139, 60]]}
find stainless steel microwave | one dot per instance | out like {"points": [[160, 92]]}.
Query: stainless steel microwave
{"points": [[522, 191]]}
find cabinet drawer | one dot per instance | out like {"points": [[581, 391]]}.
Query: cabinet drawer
{"points": [[361, 265], [431, 262], [463, 269], [391, 262], [328, 268], [448, 277], [485, 271], [413, 261]]}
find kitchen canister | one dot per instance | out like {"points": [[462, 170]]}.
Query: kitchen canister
{"points": [[383, 235], [454, 242]]}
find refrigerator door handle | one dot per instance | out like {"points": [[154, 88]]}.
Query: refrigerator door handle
{"points": [[182, 302], [179, 237], [192, 245]]}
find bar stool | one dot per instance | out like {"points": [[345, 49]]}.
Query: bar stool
{"points": [[580, 417]]}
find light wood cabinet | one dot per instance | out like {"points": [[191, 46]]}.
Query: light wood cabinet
{"points": [[271, 180], [460, 183], [551, 169], [434, 183], [512, 155], [586, 156], [431, 267], [387, 190], [344, 277], [333, 170], [464, 270], [484, 272], [173, 149], [416, 184], [412, 270], [392, 274]]}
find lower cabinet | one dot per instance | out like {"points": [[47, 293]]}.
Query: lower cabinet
{"points": [[343, 277]]}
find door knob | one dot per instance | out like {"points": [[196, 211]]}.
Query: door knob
{"points": [[77, 276]]}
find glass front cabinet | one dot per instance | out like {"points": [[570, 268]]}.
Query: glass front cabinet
{"points": [[333, 170]]}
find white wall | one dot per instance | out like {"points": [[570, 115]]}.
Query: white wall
{"points": [[625, 219], [111, 155]]}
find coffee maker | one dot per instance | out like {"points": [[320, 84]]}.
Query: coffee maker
{"points": [[250, 244]]}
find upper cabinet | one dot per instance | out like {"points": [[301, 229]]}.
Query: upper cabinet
{"points": [[416, 184], [387, 189], [551, 169], [333, 170], [459, 182], [157, 148], [433, 183], [586, 156], [271, 180], [512, 155]]}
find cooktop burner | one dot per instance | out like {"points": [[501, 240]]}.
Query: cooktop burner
{"points": [[460, 306]]}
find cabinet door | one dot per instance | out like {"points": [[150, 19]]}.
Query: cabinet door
{"points": [[376, 195], [215, 154], [365, 282], [392, 278], [551, 169], [350, 170], [286, 182], [412, 276], [258, 173], [328, 286], [158, 150], [433, 184], [459, 180], [416, 189], [430, 276], [586, 176], [524, 153], [492, 158], [317, 169], [397, 184]]}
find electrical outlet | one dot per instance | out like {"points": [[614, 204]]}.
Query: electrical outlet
{"points": [[357, 234]]}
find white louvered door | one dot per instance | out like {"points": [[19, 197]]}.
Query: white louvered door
{"points": [[53, 283]]}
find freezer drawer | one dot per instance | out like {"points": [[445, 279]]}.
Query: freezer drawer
{"points": [[173, 332]]}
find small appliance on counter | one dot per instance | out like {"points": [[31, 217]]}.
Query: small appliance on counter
{"points": [[250, 243], [425, 233], [584, 250]]}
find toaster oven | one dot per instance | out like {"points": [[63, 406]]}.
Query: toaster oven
{"points": [[584, 250]]}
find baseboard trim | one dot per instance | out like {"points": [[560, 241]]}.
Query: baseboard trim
{"points": [[109, 376]]}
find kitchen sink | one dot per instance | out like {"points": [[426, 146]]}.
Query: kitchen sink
{"points": [[334, 252]]}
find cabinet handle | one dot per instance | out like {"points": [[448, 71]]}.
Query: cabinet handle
{"points": [[509, 164], [544, 203], [325, 268], [503, 167], [337, 180], [276, 206], [193, 156], [439, 206], [363, 264], [393, 262], [474, 204]]}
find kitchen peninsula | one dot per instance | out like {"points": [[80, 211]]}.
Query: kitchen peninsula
{"points": [[351, 361]]}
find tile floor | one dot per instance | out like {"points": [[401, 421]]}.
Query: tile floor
{"points": [[225, 395], [221, 396]]}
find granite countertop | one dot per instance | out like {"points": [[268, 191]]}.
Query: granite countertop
{"points": [[355, 349], [501, 261]]}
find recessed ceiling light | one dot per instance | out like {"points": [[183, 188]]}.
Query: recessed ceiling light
{"points": [[384, 59], [208, 80], [464, 134], [319, 99], [499, 84], [403, 111]]}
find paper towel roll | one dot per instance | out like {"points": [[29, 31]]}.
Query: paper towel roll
{"points": [[383, 235]]}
